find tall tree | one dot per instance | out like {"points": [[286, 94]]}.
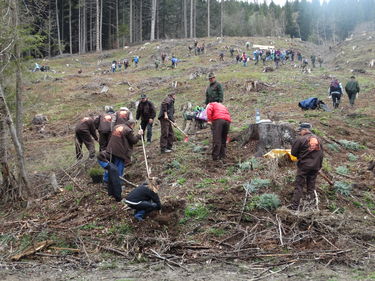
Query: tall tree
{"points": [[153, 17], [131, 21], [58, 28], [208, 18], [191, 18], [98, 31], [221, 18], [185, 21]]}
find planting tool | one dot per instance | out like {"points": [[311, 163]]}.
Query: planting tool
{"points": [[186, 139], [145, 155], [326, 178]]}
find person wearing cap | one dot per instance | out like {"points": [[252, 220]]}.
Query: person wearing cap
{"points": [[309, 151], [103, 123], [143, 199], [352, 89], [166, 115], [120, 145], [214, 92], [85, 133], [146, 112], [218, 116]]}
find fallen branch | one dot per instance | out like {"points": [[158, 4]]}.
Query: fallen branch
{"points": [[157, 255], [33, 249]]}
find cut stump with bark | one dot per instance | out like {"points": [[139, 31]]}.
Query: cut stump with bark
{"points": [[267, 136]]}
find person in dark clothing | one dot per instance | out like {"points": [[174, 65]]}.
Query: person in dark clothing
{"points": [[120, 145], [126, 63], [84, 133], [146, 111], [103, 123], [335, 91], [231, 52], [214, 91], [143, 199], [113, 180], [165, 116], [309, 151], [163, 57], [313, 59], [218, 116], [352, 89], [122, 116], [238, 58], [320, 61], [221, 56]]}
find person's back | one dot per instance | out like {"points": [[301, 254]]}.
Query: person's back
{"points": [[309, 151]]}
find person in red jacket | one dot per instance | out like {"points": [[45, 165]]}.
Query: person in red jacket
{"points": [[218, 116]]}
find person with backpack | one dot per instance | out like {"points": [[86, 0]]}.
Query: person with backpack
{"points": [[352, 90], [335, 92], [103, 123], [146, 112], [85, 133], [143, 199], [309, 151], [219, 118]]}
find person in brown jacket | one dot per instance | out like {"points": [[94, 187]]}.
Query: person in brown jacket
{"points": [[165, 116], [120, 145], [85, 132], [309, 151], [103, 123], [122, 116]]}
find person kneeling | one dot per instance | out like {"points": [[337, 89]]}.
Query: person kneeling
{"points": [[143, 199]]}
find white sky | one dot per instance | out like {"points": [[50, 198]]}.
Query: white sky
{"points": [[279, 2]]}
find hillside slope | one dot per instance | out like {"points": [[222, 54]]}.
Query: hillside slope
{"points": [[205, 217]]}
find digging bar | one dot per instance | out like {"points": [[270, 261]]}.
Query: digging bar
{"points": [[175, 125], [326, 178], [144, 154]]}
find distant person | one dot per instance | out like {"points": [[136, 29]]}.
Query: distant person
{"points": [[335, 92], [238, 58], [214, 91], [36, 67], [244, 59], [85, 133], [221, 56], [146, 112], [126, 64], [163, 57], [231, 52], [219, 118], [136, 60], [299, 57], [320, 61], [313, 59], [309, 151], [114, 66], [174, 61], [165, 117], [247, 45], [352, 90], [143, 199]]}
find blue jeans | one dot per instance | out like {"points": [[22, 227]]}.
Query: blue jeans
{"points": [[120, 164]]}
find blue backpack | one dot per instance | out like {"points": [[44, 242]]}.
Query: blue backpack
{"points": [[310, 103]]}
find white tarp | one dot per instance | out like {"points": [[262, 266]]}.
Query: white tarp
{"points": [[263, 47]]}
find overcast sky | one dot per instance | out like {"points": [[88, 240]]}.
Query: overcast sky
{"points": [[279, 2]]}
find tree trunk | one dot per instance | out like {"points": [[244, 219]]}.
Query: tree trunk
{"points": [[23, 184], [131, 22], [79, 28], [157, 27], [101, 25], [84, 29], [97, 26], [191, 18], [221, 18], [70, 27], [185, 21], [141, 21], [195, 19], [266, 136], [90, 27], [208, 18], [58, 28], [153, 17], [117, 27], [49, 34]]}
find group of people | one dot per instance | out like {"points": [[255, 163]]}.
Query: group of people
{"points": [[118, 65], [335, 91]]}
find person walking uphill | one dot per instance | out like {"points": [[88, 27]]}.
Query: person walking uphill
{"points": [[103, 123], [335, 91], [143, 199], [120, 146], [214, 92], [165, 116], [352, 89], [146, 111], [84, 133], [218, 115], [309, 151]]}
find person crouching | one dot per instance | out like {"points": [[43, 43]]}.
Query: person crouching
{"points": [[143, 199]]}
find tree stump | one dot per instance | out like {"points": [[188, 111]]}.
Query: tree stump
{"points": [[267, 136]]}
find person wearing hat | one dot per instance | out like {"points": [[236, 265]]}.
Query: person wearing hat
{"points": [[309, 151], [352, 89], [103, 123], [120, 145], [214, 92], [166, 115], [143, 199], [146, 112]]}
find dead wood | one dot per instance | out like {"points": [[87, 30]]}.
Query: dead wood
{"points": [[31, 250]]}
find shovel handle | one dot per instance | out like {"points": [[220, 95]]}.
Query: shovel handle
{"points": [[326, 178], [174, 124]]}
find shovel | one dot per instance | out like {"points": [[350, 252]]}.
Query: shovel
{"points": [[145, 155], [186, 139], [326, 178]]}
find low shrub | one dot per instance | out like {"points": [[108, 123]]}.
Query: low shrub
{"points": [[343, 187], [351, 145], [352, 157], [342, 170], [268, 201]]}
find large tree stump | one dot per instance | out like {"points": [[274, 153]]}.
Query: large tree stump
{"points": [[267, 136]]}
